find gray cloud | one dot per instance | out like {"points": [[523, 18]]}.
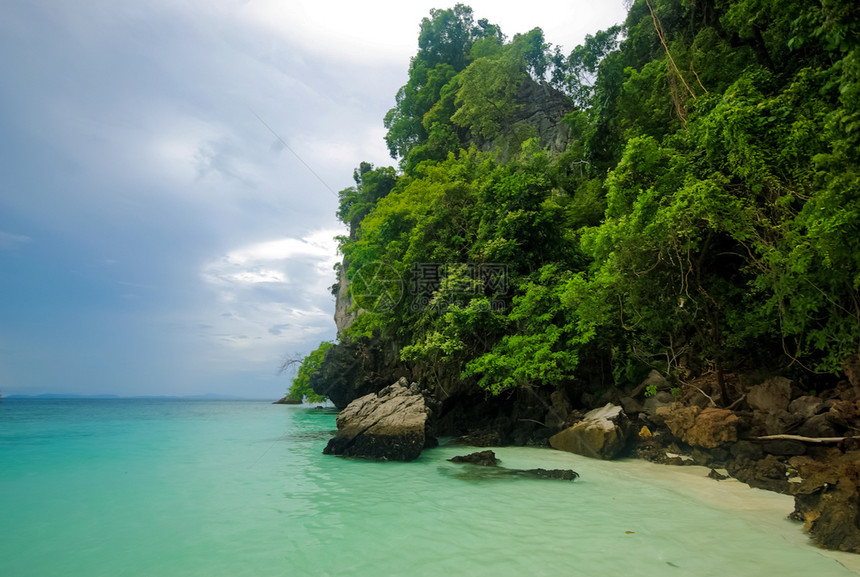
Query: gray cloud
{"points": [[277, 330], [132, 139]]}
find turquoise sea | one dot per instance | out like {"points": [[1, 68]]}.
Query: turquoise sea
{"points": [[163, 488]]}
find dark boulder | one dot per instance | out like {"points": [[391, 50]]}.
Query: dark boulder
{"points": [[559, 410], [482, 458], [784, 448], [716, 475], [561, 474], [806, 406], [494, 473], [353, 369], [817, 426], [845, 415], [393, 425], [480, 420], [828, 502], [768, 473], [481, 438], [778, 422], [747, 451], [771, 395]]}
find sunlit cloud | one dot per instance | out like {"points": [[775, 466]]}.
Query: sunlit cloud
{"points": [[275, 294]]}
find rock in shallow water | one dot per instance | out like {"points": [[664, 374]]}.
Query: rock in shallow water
{"points": [[602, 434], [482, 458], [392, 425], [488, 459], [561, 474]]}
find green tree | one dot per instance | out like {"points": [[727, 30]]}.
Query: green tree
{"points": [[300, 387]]}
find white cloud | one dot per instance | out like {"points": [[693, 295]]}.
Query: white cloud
{"points": [[270, 295], [385, 32]]}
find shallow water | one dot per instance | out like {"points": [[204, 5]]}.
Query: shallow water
{"points": [[185, 488]]}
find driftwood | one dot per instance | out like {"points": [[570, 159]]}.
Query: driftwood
{"points": [[732, 406], [536, 422], [814, 440]]}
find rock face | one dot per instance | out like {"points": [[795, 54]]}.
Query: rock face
{"points": [[828, 502], [544, 108], [602, 434], [392, 425], [482, 421], [342, 315], [352, 369], [540, 113]]}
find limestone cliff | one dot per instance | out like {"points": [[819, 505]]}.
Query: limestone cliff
{"points": [[539, 114], [343, 317]]}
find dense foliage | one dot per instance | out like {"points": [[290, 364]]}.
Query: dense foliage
{"points": [[705, 215], [300, 389]]}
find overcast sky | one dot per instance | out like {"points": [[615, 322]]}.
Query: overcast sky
{"points": [[156, 235]]}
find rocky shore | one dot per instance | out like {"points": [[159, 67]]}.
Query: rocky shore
{"points": [[773, 436]]}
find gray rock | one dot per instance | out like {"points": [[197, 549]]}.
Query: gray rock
{"points": [[746, 450], [651, 405], [631, 406], [540, 113], [771, 395], [559, 410], [602, 434], [817, 426], [779, 421], [806, 406], [654, 378], [392, 425]]}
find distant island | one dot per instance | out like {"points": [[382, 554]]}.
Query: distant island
{"points": [[206, 396]]}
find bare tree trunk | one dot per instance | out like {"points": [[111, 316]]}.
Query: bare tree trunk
{"points": [[717, 336]]}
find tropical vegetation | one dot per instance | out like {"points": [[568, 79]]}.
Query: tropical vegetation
{"points": [[704, 216]]}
